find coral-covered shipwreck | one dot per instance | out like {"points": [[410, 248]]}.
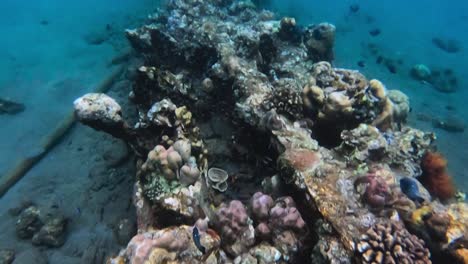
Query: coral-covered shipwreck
{"points": [[251, 148]]}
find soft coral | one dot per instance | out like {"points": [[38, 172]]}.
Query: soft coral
{"points": [[435, 177]]}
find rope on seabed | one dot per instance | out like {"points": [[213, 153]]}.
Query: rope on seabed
{"points": [[48, 142]]}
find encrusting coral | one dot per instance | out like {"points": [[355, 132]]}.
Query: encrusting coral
{"points": [[435, 177], [377, 193]]}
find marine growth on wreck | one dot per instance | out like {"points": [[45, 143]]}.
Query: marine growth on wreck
{"points": [[251, 147]]}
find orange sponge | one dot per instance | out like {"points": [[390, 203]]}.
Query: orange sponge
{"points": [[435, 177]]}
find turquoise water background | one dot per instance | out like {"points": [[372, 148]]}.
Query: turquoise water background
{"points": [[46, 61]]}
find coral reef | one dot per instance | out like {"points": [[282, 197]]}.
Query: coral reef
{"points": [[327, 138], [435, 177]]}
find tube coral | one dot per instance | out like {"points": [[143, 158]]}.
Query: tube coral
{"points": [[434, 176]]}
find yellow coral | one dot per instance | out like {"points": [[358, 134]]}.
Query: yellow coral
{"points": [[462, 254], [159, 256], [418, 215], [116, 260], [184, 115], [384, 120], [458, 213], [377, 88]]}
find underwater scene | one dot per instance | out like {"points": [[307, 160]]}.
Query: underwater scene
{"points": [[233, 131]]}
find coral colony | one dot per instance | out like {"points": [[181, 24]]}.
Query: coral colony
{"points": [[330, 171]]}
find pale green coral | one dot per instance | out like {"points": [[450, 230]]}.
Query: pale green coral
{"points": [[157, 187]]}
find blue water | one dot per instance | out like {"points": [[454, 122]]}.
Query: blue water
{"points": [[47, 61]]}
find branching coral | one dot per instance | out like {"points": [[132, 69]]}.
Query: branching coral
{"points": [[435, 177], [391, 243]]}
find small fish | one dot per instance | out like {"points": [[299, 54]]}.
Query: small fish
{"points": [[392, 68], [354, 8], [196, 240], [361, 63], [410, 188], [379, 59], [78, 211], [375, 32]]}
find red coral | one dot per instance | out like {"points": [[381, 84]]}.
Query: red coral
{"points": [[435, 177]]}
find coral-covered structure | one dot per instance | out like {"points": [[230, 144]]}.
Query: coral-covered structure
{"points": [[256, 87]]}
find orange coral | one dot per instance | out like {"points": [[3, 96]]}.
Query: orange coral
{"points": [[435, 178]]}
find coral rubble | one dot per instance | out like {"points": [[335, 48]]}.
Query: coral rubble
{"points": [[45, 229], [306, 164], [10, 107]]}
